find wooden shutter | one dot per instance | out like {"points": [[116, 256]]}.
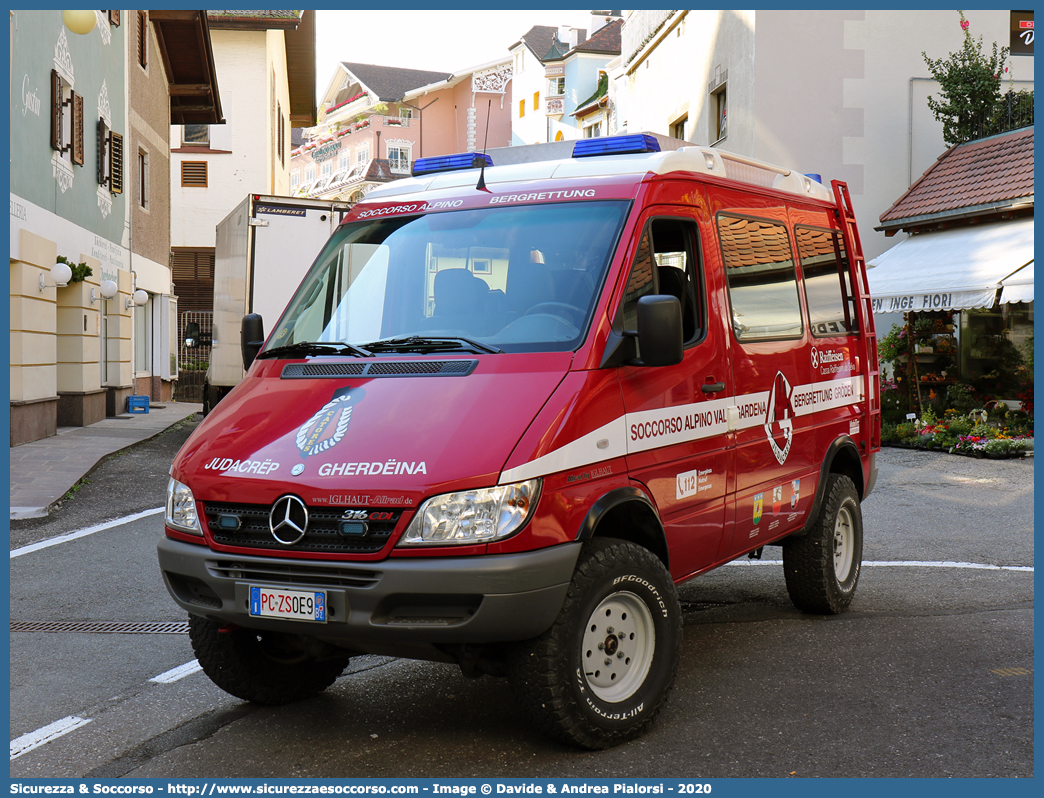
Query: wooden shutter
{"points": [[103, 143], [77, 126], [143, 39], [115, 163], [56, 110], [192, 271], [114, 18], [194, 174]]}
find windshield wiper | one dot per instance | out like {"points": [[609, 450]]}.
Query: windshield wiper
{"points": [[417, 343], [307, 348]]}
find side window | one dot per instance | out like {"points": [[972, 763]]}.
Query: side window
{"points": [[666, 263], [759, 267], [828, 287]]}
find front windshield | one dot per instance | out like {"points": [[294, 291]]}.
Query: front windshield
{"points": [[516, 279]]}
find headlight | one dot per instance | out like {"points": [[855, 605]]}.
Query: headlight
{"points": [[472, 516], [181, 508]]}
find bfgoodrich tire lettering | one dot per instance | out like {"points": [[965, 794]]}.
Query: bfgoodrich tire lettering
{"points": [[600, 674], [263, 667], [822, 567]]}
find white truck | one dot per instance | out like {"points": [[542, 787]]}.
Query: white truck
{"points": [[264, 248]]}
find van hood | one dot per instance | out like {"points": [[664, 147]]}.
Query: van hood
{"points": [[386, 440]]}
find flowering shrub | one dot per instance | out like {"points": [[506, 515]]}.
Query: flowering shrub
{"points": [[971, 104], [892, 345]]}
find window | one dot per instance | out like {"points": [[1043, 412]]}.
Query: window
{"points": [[536, 100], [719, 123], [667, 262], [828, 286], [143, 336], [143, 179], [295, 178], [194, 174], [342, 161], [143, 38], [310, 173], [362, 155], [759, 267], [66, 125], [195, 135], [593, 131], [521, 108], [678, 128], [399, 157], [405, 113], [327, 168], [555, 86]]}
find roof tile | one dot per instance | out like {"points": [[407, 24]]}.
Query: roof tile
{"points": [[968, 175]]}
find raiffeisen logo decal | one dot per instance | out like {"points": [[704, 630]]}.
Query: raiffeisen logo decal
{"points": [[326, 428], [779, 420]]}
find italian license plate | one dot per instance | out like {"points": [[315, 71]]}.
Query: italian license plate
{"points": [[296, 605]]}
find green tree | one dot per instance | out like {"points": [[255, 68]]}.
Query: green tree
{"points": [[971, 104]]}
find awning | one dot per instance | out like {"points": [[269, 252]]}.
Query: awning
{"points": [[1018, 287], [953, 269]]}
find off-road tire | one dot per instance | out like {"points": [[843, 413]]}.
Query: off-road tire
{"points": [[822, 567], [560, 679], [257, 666]]}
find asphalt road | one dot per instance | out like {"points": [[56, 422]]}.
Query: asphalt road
{"points": [[929, 674]]}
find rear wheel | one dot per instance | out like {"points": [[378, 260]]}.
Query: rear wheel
{"points": [[600, 674], [822, 567], [260, 666]]}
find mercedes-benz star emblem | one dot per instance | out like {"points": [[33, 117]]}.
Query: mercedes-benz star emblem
{"points": [[288, 520]]}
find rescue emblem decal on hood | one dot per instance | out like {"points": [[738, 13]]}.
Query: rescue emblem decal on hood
{"points": [[326, 428], [779, 420]]}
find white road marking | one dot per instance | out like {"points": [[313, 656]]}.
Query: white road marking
{"points": [[911, 564], [52, 731], [179, 672], [81, 533]]}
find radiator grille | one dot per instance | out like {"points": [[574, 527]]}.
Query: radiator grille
{"points": [[323, 533]]}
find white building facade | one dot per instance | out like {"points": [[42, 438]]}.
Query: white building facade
{"points": [[837, 93]]}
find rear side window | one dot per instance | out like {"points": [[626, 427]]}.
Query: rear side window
{"points": [[759, 266], [828, 287]]}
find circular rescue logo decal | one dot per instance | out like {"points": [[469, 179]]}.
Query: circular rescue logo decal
{"points": [[326, 428], [779, 420]]}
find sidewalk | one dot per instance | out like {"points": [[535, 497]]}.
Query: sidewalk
{"points": [[43, 471]]}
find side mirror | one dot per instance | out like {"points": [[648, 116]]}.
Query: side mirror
{"points": [[251, 337], [660, 341]]}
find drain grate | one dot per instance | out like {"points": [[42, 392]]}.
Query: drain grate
{"points": [[104, 627]]}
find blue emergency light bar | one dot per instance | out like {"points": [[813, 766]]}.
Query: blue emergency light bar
{"points": [[616, 145], [450, 163]]}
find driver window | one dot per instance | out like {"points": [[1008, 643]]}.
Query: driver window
{"points": [[665, 263]]}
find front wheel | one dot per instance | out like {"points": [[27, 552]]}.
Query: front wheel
{"points": [[600, 674], [263, 667], [822, 567]]}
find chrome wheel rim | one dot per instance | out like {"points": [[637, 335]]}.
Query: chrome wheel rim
{"points": [[844, 544], [618, 645]]}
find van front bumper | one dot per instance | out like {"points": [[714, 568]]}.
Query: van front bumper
{"points": [[386, 605]]}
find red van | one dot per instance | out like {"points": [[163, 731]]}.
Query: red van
{"points": [[511, 407]]}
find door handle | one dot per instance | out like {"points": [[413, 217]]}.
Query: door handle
{"points": [[713, 387]]}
